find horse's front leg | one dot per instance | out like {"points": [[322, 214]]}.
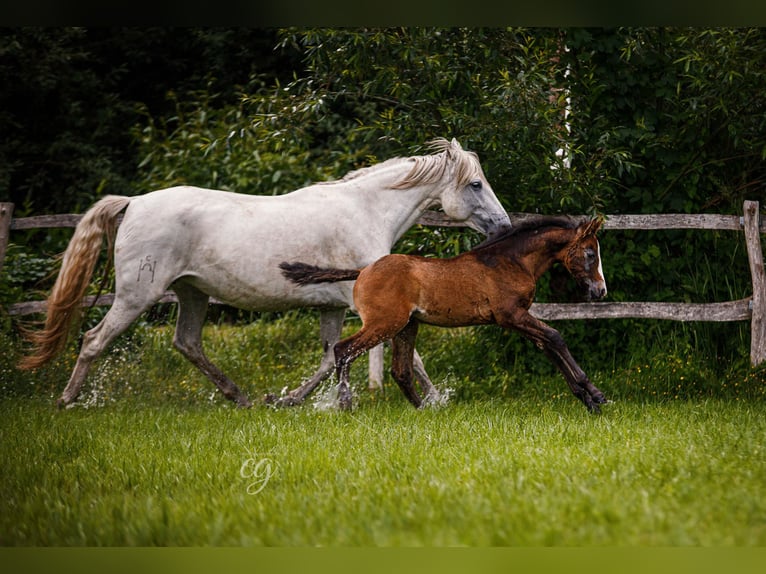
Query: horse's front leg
{"points": [[552, 343]]}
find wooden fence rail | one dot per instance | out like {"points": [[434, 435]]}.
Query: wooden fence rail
{"points": [[751, 308]]}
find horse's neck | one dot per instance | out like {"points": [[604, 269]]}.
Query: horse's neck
{"points": [[391, 211], [539, 251]]}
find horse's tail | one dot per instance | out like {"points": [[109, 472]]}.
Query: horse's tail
{"points": [[78, 264], [304, 274]]}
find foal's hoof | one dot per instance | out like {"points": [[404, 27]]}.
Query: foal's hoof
{"points": [[600, 399], [593, 408]]}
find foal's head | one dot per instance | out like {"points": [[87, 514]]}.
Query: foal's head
{"points": [[583, 259]]}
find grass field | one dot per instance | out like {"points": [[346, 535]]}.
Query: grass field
{"points": [[153, 457]]}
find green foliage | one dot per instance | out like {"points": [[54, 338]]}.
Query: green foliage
{"points": [[493, 89], [72, 95], [21, 272]]}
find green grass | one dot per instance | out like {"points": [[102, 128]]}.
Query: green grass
{"points": [[483, 473], [152, 456]]}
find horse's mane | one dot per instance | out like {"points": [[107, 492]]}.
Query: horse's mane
{"points": [[426, 168], [532, 224], [362, 171], [430, 168]]}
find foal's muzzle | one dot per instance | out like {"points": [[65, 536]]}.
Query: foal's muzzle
{"points": [[596, 291]]}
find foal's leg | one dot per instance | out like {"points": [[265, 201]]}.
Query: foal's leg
{"points": [[431, 394], [117, 319], [192, 309], [330, 327], [552, 344], [350, 348], [402, 352]]}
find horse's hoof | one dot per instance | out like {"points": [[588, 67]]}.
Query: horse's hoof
{"points": [[432, 399], [62, 404], [344, 403], [283, 401], [270, 399]]}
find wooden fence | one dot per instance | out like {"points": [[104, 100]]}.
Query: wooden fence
{"points": [[751, 308]]}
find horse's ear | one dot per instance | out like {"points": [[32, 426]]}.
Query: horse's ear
{"points": [[455, 145]]}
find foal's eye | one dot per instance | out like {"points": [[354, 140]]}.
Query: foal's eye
{"points": [[476, 185], [590, 255]]}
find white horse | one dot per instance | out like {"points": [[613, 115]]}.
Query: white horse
{"points": [[202, 243]]}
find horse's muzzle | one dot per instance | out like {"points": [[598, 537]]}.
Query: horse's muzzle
{"points": [[498, 228]]}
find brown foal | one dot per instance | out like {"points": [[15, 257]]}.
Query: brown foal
{"points": [[494, 283]]}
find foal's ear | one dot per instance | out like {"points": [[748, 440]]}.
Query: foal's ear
{"points": [[591, 227]]}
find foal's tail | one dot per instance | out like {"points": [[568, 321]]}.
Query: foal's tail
{"points": [[304, 274], [79, 261]]}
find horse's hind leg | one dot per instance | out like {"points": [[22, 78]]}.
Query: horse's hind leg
{"points": [[431, 394], [330, 326], [192, 310], [402, 354], [95, 341]]}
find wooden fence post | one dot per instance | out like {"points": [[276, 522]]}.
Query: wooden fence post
{"points": [[755, 256], [6, 214]]}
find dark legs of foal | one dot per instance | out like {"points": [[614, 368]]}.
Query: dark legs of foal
{"points": [[402, 355], [403, 352], [552, 344]]}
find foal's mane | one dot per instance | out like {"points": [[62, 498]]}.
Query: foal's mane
{"points": [[532, 224], [426, 168]]}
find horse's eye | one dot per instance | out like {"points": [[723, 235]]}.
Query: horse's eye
{"points": [[476, 185]]}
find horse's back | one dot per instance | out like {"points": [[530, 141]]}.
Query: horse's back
{"points": [[228, 245]]}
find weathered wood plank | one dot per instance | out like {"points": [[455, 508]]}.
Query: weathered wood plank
{"points": [[673, 221], [42, 221], [755, 257], [6, 218], [717, 312], [30, 307], [649, 221]]}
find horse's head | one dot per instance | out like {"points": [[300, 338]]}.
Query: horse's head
{"points": [[583, 259], [463, 192]]}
